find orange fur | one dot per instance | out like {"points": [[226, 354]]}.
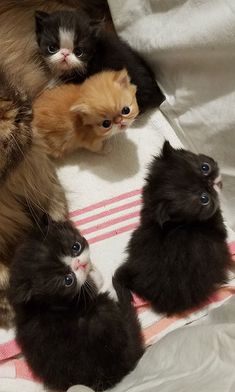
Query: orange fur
{"points": [[70, 116]]}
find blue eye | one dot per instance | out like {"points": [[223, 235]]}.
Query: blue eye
{"points": [[52, 49], [69, 280], [106, 123], [204, 198], [205, 168], [126, 110], [76, 249], [78, 52]]}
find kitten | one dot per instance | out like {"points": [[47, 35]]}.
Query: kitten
{"points": [[74, 47], [19, 50], [178, 256], [86, 115], [28, 182], [81, 336]]}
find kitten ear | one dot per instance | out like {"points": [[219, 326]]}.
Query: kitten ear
{"points": [[40, 17], [80, 108], [161, 213], [167, 149], [23, 295], [97, 26], [122, 77]]}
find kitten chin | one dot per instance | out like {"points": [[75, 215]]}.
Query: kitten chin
{"points": [[69, 117], [178, 256]]}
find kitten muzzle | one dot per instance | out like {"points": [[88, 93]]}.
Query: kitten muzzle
{"points": [[78, 265], [217, 184]]}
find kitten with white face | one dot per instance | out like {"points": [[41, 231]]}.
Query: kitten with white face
{"points": [[62, 318], [64, 41]]}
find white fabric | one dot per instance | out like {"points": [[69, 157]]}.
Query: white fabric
{"points": [[191, 46]]}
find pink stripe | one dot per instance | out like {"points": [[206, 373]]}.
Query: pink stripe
{"points": [[232, 248], [111, 222], [105, 203], [9, 349], [23, 370], [108, 212], [113, 233]]}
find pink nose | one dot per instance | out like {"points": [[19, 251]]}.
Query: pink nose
{"points": [[118, 120], [76, 265], [65, 52]]}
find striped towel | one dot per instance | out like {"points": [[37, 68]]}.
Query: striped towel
{"points": [[104, 194]]}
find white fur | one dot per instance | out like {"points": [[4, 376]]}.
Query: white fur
{"points": [[215, 186], [57, 60], [66, 39], [81, 274]]}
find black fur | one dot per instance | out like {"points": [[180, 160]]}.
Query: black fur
{"points": [[102, 50], [69, 335], [178, 255]]}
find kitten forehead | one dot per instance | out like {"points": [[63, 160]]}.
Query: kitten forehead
{"points": [[66, 38]]}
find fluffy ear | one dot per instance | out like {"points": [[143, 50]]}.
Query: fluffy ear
{"points": [[22, 295], [122, 77], [97, 26], [40, 18], [161, 213], [167, 149], [80, 108]]}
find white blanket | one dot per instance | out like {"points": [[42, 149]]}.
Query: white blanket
{"points": [[191, 46]]}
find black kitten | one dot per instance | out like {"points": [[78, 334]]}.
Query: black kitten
{"points": [[68, 332], [74, 48], [178, 256]]}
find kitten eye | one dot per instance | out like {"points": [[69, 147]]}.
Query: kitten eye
{"points": [[126, 110], [78, 52], [106, 123], [52, 49], [76, 249], [69, 280], [204, 198], [205, 168]]}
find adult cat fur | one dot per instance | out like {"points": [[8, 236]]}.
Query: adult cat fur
{"points": [[28, 182]]}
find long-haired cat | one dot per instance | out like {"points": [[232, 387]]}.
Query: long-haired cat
{"points": [[19, 50], [178, 256], [68, 331], [74, 47], [72, 116], [28, 182]]}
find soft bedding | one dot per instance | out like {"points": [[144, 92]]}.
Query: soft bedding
{"points": [[191, 47]]}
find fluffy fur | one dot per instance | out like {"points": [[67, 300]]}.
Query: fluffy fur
{"points": [[73, 116], [178, 256], [19, 50], [28, 182], [81, 336], [75, 47]]}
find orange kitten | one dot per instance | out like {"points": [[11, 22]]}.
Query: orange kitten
{"points": [[72, 116]]}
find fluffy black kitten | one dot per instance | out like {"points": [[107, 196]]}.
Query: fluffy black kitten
{"points": [[178, 255], [74, 47], [69, 333]]}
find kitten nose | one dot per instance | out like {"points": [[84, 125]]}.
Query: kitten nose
{"points": [[65, 52], [76, 265], [117, 120]]}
